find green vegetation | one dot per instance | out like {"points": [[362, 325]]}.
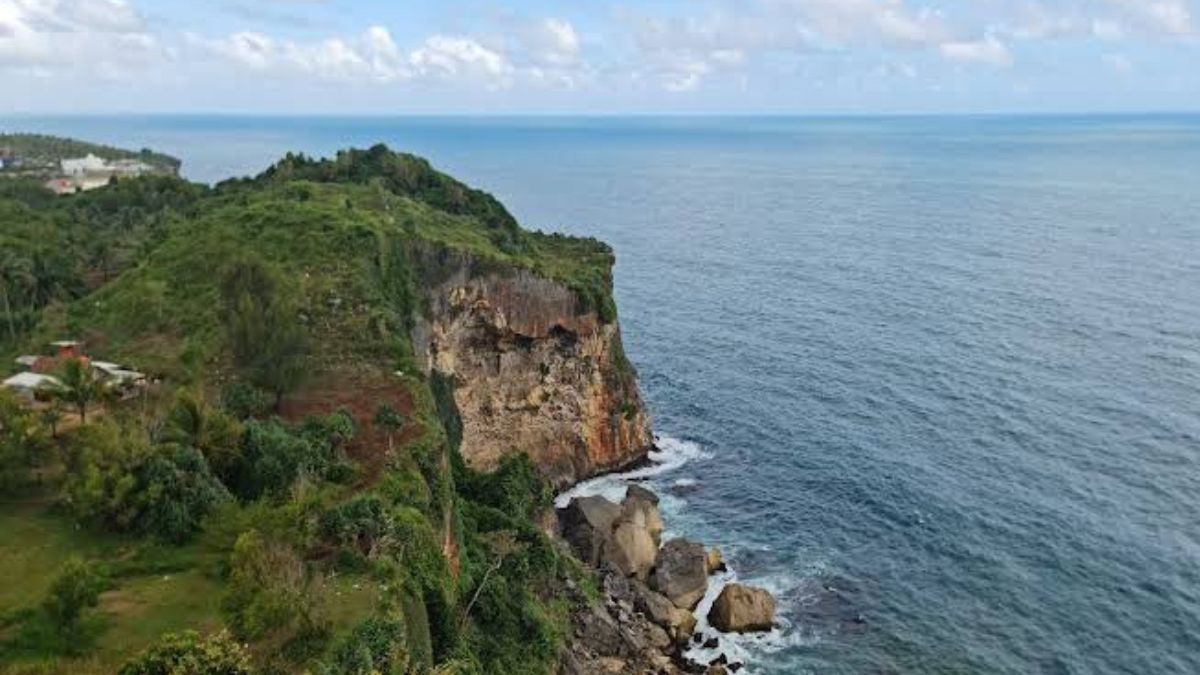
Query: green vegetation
{"points": [[189, 654], [39, 149], [256, 489], [76, 588]]}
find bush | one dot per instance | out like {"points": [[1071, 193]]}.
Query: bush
{"points": [[270, 592], [189, 654], [244, 401], [273, 456], [76, 588], [119, 481], [375, 647], [361, 524], [23, 443]]}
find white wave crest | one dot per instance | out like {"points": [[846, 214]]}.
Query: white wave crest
{"points": [[746, 648], [669, 455]]}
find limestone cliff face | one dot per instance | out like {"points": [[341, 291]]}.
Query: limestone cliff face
{"points": [[533, 370]]}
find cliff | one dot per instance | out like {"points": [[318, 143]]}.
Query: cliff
{"points": [[381, 369], [533, 371]]}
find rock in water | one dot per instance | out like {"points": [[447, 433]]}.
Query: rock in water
{"points": [[639, 500], [586, 524], [681, 573], [636, 491], [715, 562], [632, 549], [742, 609]]}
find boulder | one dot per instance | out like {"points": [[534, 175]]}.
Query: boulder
{"points": [[639, 500], [715, 562], [638, 492], [586, 525], [632, 548], [681, 573], [742, 609], [679, 623]]}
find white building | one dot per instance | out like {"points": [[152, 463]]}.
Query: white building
{"points": [[83, 165], [28, 384]]}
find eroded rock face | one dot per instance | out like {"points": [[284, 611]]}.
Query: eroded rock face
{"points": [[681, 572], [742, 609], [533, 370]]}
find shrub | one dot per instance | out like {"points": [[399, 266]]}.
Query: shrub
{"points": [[273, 456], [244, 401], [189, 654], [119, 481], [270, 592], [375, 647], [76, 588], [362, 524]]}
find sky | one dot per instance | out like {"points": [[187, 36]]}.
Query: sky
{"points": [[598, 56]]}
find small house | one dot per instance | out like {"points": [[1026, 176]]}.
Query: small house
{"points": [[117, 374], [29, 384]]}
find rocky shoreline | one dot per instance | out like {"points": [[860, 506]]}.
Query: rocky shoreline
{"points": [[650, 589]]}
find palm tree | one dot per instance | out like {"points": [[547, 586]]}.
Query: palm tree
{"points": [[15, 274], [79, 387]]}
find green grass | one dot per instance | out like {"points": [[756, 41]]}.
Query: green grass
{"points": [[33, 543], [153, 590]]}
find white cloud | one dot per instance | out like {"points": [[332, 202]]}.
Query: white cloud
{"points": [[989, 51], [558, 43], [1171, 17], [104, 37], [451, 57], [371, 56]]}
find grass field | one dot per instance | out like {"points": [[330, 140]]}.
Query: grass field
{"points": [[153, 590]]}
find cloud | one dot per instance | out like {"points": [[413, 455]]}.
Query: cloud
{"points": [[1168, 17], [556, 42], [371, 56], [450, 57], [100, 37], [989, 51]]}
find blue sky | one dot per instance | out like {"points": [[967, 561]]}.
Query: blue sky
{"points": [[598, 56]]}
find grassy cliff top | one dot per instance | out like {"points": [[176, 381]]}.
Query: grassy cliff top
{"points": [[344, 234]]}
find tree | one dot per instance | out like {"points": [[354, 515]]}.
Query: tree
{"points": [[189, 654], [51, 415], [119, 481], [79, 387], [390, 420], [270, 591], [263, 327], [377, 646], [503, 545], [15, 275], [76, 588], [22, 443]]}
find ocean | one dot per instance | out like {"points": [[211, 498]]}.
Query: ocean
{"points": [[934, 381]]}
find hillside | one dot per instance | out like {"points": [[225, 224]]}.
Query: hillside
{"points": [[366, 377], [41, 153]]}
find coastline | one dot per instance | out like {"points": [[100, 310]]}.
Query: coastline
{"points": [[707, 649]]}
